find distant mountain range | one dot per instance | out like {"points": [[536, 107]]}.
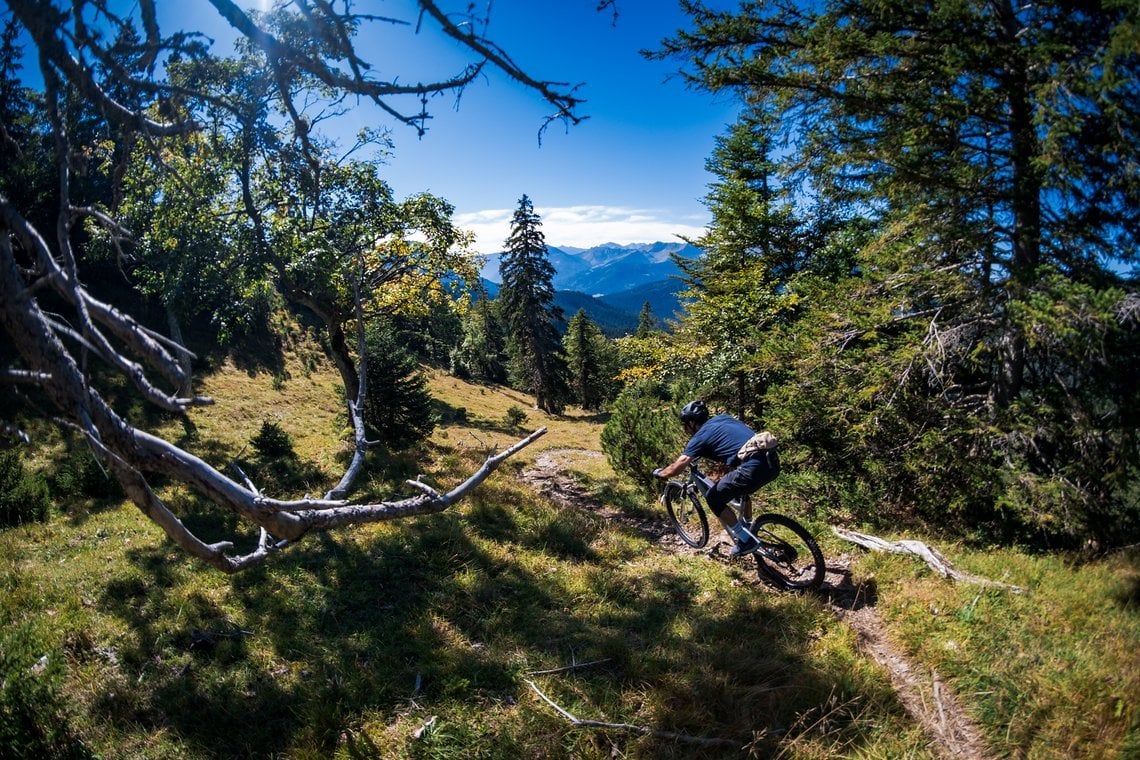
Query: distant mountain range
{"points": [[612, 282]]}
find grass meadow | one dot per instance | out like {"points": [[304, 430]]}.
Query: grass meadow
{"points": [[429, 637]]}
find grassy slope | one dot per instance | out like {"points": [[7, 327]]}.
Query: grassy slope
{"points": [[353, 641]]}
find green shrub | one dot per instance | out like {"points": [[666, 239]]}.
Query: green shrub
{"points": [[79, 475], [23, 495], [276, 468], [515, 416], [641, 434], [273, 442], [1057, 466], [97, 482], [453, 415]]}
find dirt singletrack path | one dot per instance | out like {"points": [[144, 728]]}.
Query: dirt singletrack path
{"points": [[952, 733]]}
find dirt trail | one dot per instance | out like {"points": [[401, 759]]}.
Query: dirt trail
{"points": [[953, 734]]}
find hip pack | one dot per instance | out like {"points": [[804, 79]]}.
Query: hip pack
{"points": [[758, 443]]}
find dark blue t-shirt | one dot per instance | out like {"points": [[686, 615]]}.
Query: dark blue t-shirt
{"points": [[719, 439]]}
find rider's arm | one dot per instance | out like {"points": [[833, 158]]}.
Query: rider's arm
{"points": [[670, 470]]}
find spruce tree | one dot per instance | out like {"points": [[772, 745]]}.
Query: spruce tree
{"points": [[398, 409], [528, 307], [751, 249], [646, 322], [586, 356], [983, 156]]}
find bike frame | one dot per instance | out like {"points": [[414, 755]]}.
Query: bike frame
{"points": [[700, 481]]}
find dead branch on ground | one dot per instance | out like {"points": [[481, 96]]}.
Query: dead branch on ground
{"points": [[928, 554], [643, 730], [568, 668]]}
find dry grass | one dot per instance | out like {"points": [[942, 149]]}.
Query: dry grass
{"points": [[308, 406], [487, 407]]}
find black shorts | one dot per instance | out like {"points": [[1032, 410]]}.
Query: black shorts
{"points": [[747, 478]]}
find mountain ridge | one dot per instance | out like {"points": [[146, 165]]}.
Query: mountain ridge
{"points": [[612, 281], [607, 268]]}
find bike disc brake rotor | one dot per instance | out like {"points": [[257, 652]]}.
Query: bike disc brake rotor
{"points": [[779, 552]]}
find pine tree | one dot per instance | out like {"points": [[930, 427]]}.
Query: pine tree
{"points": [[398, 409], [983, 155], [591, 371], [646, 322], [751, 249], [528, 306]]}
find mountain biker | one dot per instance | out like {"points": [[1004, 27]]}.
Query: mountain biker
{"points": [[719, 439]]}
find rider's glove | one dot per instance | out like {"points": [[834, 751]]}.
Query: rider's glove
{"points": [[657, 472]]}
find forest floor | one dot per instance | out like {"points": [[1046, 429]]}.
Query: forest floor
{"points": [[940, 712]]}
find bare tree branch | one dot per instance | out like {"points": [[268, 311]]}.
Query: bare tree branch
{"points": [[281, 55], [23, 376], [644, 730], [43, 21], [113, 68], [569, 668], [564, 102], [121, 326]]}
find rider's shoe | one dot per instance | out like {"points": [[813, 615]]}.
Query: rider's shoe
{"points": [[747, 546]]}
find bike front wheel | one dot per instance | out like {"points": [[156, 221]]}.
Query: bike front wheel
{"points": [[788, 556], [687, 515]]}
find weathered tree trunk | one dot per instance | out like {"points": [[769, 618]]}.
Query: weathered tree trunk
{"points": [[928, 554], [356, 408], [133, 454], [1025, 204], [337, 345]]}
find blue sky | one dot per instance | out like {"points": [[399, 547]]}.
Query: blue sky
{"points": [[632, 172]]}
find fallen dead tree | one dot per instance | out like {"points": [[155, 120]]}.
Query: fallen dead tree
{"points": [[928, 554], [112, 69]]}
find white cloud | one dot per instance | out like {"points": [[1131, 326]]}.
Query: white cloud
{"points": [[584, 226]]}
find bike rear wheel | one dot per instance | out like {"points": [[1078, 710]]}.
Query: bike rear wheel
{"points": [[788, 556], [687, 515]]}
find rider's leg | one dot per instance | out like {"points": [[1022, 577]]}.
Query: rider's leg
{"points": [[718, 498], [744, 480], [735, 526]]}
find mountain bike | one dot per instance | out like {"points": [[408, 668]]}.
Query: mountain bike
{"points": [[788, 556]]}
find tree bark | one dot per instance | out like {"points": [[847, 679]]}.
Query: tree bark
{"points": [[338, 349], [1025, 201]]}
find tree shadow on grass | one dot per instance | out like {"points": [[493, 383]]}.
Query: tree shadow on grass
{"points": [[444, 608], [1128, 597], [531, 419], [262, 349]]}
